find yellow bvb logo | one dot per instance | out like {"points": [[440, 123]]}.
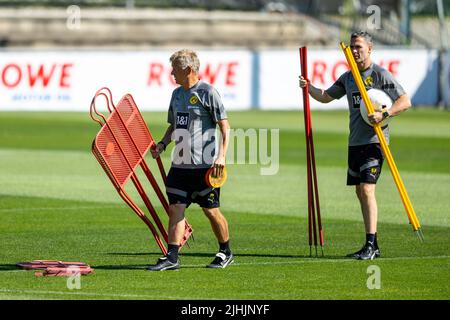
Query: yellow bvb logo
{"points": [[193, 100], [373, 170], [368, 81]]}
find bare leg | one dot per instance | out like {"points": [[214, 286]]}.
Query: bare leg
{"points": [[218, 223], [176, 232], [176, 223], [368, 202]]}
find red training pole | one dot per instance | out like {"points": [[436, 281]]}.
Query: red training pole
{"points": [[313, 193], [308, 166]]}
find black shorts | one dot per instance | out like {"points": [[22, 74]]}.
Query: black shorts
{"points": [[364, 164], [186, 186]]}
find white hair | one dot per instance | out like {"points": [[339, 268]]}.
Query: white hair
{"points": [[186, 58]]}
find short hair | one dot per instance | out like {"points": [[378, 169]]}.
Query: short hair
{"points": [[362, 34], [186, 58]]}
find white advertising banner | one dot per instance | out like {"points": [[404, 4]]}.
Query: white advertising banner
{"points": [[445, 80], [67, 80], [268, 79], [415, 70]]}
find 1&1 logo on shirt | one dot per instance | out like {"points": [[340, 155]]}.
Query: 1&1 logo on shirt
{"points": [[182, 120], [356, 99]]}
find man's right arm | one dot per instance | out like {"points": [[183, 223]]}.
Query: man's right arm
{"points": [[168, 135], [163, 143], [318, 94]]}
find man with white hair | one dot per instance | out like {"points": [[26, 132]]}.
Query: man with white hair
{"points": [[194, 112]]}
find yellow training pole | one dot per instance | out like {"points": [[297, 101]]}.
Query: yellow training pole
{"points": [[384, 146]]}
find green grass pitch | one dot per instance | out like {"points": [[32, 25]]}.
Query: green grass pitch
{"points": [[56, 203]]}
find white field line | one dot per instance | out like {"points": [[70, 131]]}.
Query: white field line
{"points": [[249, 295], [319, 260], [90, 294]]}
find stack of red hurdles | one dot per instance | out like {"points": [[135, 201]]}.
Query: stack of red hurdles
{"points": [[56, 268], [120, 147]]}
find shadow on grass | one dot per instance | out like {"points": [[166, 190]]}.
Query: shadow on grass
{"points": [[122, 267], [9, 267], [287, 257]]}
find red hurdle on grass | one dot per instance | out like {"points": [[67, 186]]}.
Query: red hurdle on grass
{"points": [[120, 147], [313, 191]]}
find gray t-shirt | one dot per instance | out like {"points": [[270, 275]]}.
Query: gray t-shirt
{"points": [[194, 114], [373, 77]]}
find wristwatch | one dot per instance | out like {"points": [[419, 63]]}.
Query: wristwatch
{"points": [[164, 145]]}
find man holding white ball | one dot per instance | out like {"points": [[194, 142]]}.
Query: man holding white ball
{"points": [[365, 157]]}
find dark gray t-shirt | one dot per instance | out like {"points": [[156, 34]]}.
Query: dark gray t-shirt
{"points": [[373, 77], [194, 114]]}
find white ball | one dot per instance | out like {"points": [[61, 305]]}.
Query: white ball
{"points": [[380, 100]]}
